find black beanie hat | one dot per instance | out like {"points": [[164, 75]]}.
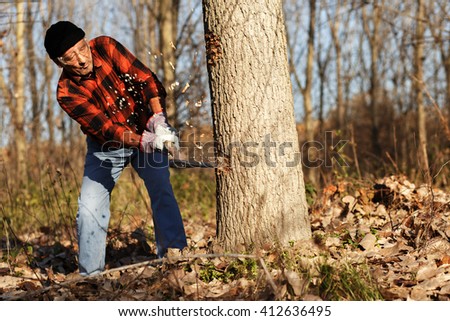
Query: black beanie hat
{"points": [[60, 37]]}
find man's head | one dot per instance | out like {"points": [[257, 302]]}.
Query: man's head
{"points": [[67, 47]]}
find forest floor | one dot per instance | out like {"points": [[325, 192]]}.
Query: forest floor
{"points": [[384, 241]]}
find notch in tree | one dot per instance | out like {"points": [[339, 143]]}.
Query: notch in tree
{"points": [[261, 198]]}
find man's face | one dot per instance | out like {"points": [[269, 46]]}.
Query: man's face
{"points": [[78, 59]]}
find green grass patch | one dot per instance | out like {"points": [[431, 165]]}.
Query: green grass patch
{"points": [[346, 282]]}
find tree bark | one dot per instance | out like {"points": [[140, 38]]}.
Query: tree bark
{"points": [[261, 196]]}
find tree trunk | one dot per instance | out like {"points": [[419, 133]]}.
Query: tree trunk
{"points": [[261, 197], [168, 16], [311, 171], [49, 115], [18, 109], [322, 66], [418, 81], [374, 39], [445, 56], [435, 24], [334, 24], [447, 92], [307, 90], [139, 33], [36, 108], [152, 34]]}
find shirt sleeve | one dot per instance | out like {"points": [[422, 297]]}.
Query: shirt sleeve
{"points": [[127, 64], [92, 120]]}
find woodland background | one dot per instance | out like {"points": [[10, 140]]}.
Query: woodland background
{"points": [[373, 75]]}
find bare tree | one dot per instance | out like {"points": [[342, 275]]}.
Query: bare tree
{"points": [[18, 88], [161, 38], [140, 32], [168, 27], [402, 125], [334, 23], [306, 88], [438, 15], [48, 69], [372, 31], [32, 75], [261, 197], [418, 86], [323, 63]]}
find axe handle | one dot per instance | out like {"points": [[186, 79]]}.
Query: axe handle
{"points": [[176, 162], [182, 164]]}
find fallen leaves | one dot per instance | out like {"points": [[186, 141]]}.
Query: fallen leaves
{"points": [[400, 229], [297, 283], [392, 235]]}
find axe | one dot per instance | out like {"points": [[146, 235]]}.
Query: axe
{"points": [[184, 163], [177, 162]]}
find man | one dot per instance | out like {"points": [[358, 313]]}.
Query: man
{"points": [[120, 105]]}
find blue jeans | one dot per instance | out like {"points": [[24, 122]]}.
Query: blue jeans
{"points": [[101, 172]]}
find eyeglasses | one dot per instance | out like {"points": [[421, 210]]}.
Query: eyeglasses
{"points": [[82, 50]]}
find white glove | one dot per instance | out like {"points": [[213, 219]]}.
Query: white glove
{"points": [[166, 137]]}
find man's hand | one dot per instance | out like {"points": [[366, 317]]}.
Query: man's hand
{"points": [[169, 138], [166, 134], [147, 142], [163, 137], [157, 120]]}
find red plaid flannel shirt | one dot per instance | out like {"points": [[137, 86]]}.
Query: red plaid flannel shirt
{"points": [[115, 99]]}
